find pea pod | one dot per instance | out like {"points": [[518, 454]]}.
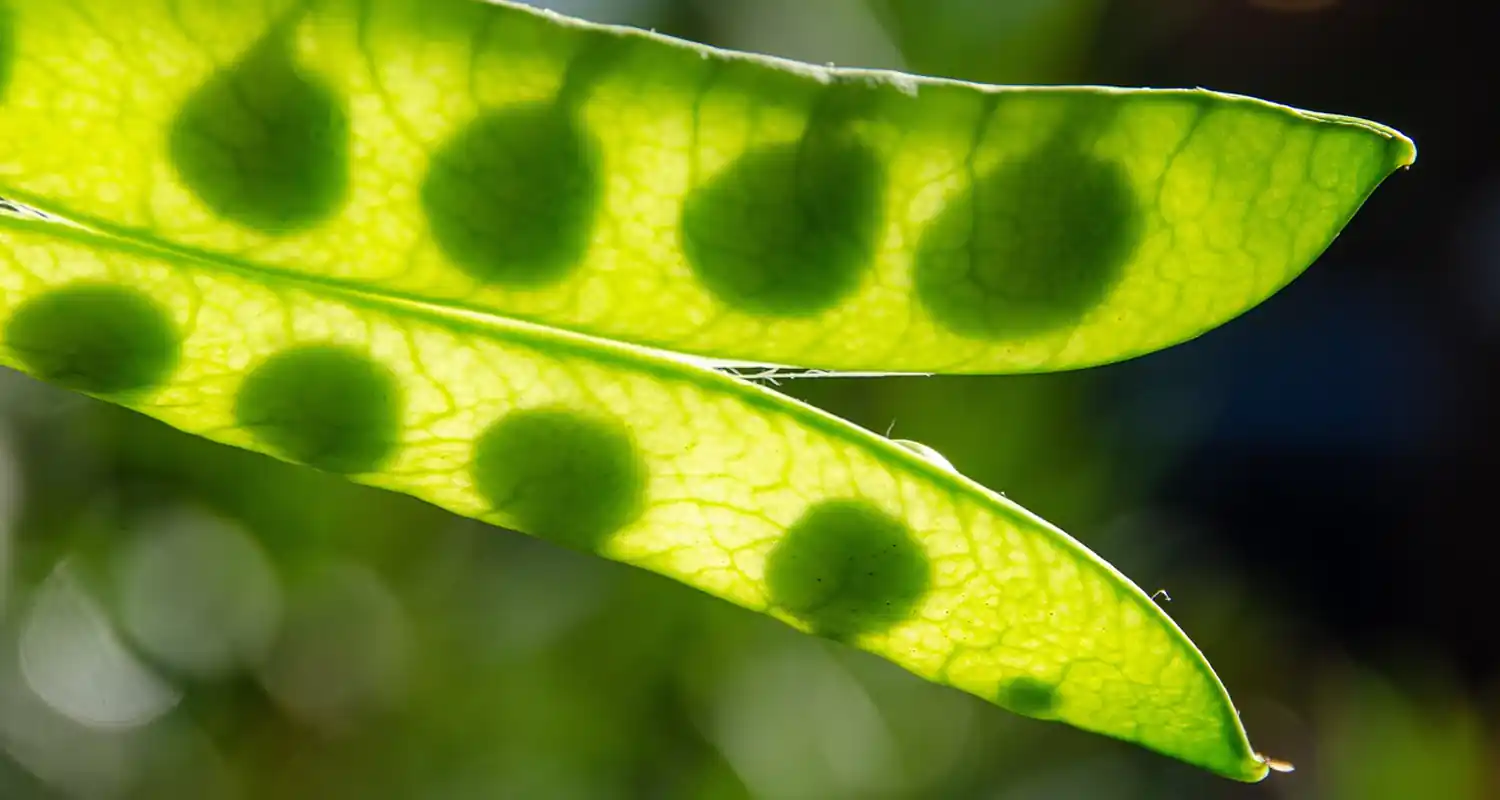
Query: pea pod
{"points": [[625, 185]]}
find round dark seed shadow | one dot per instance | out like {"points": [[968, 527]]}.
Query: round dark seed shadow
{"points": [[326, 406], [1029, 696], [263, 144], [787, 229], [1033, 247], [512, 198], [846, 568], [95, 337], [572, 478]]}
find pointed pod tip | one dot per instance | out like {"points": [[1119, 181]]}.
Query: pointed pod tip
{"points": [[1400, 148], [1403, 150], [1275, 764]]}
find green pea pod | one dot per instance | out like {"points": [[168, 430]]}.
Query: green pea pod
{"points": [[441, 247], [629, 186]]}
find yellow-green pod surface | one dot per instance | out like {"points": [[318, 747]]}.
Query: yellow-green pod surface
{"points": [[626, 185], [394, 239], [721, 484]]}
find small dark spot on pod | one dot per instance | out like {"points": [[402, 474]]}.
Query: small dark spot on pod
{"points": [[847, 568], [562, 475], [327, 406], [95, 337]]}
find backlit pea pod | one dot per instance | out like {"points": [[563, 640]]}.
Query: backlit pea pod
{"points": [[612, 449], [626, 185]]}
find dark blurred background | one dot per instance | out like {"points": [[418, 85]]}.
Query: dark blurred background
{"points": [[1311, 484]]}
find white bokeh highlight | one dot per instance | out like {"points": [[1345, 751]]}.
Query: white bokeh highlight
{"points": [[198, 593], [73, 660]]}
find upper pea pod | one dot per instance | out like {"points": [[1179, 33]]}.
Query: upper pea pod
{"points": [[623, 184]]}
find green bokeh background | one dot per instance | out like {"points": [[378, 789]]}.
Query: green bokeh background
{"points": [[183, 620]]}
